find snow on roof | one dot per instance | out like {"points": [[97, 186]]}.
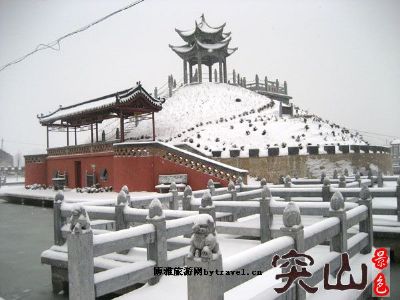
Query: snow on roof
{"points": [[203, 26], [395, 142], [214, 46]]}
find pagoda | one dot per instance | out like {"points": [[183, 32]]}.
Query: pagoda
{"points": [[204, 45]]}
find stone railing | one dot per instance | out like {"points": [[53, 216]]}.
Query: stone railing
{"points": [[81, 149]]}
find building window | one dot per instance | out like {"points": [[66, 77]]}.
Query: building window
{"points": [[104, 175]]}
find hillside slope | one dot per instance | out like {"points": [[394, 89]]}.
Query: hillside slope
{"points": [[212, 116]]}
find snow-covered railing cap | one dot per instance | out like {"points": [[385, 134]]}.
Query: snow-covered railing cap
{"points": [[206, 200], [59, 197], [326, 181], [365, 193], [79, 221], [337, 201], [291, 215], [121, 198], [188, 191], [263, 182], [155, 209], [231, 186], [266, 193], [172, 187]]}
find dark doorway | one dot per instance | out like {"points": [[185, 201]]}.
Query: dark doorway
{"points": [[78, 176]]}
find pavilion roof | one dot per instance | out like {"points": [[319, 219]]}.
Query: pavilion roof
{"points": [[129, 102]]}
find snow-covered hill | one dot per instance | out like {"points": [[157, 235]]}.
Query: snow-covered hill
{"points": [[215, 116]]}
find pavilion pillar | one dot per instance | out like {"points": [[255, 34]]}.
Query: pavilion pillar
{"points": [[76, 140], [225, 71], [210, 73], [185, 81], [91, 133], [199, 72], [97, 132], [220, 70], [67, 135], [47, 130], [154, 127], [190, 73], [122, 134]]}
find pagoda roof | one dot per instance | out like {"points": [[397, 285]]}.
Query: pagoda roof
{"points": [[202, 28], [128, 102]]}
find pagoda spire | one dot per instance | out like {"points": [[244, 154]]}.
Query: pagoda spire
{"points": [[204, 45]]}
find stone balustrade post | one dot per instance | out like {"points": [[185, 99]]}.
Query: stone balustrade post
{"points": [[379, 179], [367, 224], [346, 172], [204, 254], [288, 184], [398, 198], [293, 228], [335, 174], [342, 181], [323, 175], [128, 196], [234, 76], [173, 203], [326, 190], [357, 177], [187, 198], [211, 187], [263, 182], [207, 206], [266, 217], [232, 190], [80, 257], [58, 220], [339, 242], [157, 250], [240, 183], [119, 217]]}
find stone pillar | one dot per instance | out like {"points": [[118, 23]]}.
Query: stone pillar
{"points": [[335, 174], [293, 228], [58, 219], [357, 177], [220, 70], [215, 75], [346, 172], [207, 206], [209, 260], [263, 182], [266, 83], [225, 71], [342, 181], [232, 190], [240, 183], [379, 179], [199, 71], [190, 73], [288, 184], [257, 82], [80, 257], [367, 224], [285, 87], [326, 190], [234, 76], [277, 85], [173, 203], [266, 216], [119, 216], [185, 71], [339, 242], [210, 73], [211, 187], [187, 198]]}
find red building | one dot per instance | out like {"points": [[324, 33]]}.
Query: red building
{"points": [[118, 162]]}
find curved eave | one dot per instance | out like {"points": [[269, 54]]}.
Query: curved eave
{"points": [[223, 44], [231, 50]]}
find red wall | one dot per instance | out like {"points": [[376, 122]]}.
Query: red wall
{"points": [[35, 173], [138, 173], [67, 163]]}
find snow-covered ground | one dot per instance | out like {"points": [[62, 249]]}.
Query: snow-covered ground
{"points": [[218, 116]]}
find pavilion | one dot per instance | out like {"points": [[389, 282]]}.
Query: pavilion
{"points": [[204, 45]]}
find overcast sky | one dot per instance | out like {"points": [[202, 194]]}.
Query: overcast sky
{"points": [[341, 59]]}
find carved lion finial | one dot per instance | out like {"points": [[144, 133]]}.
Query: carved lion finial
{"points": [[342, 178], [172, 187], [203, 243], [125, 189], [291, 215], [231, 186], [326, 181], [121, 198], [188, 191], [337, 201], [239, 181], [365, 193], [210, 183], [263, 182], [79, 220], [155, 209], [288, 179], [206, 199], [59, 197]]}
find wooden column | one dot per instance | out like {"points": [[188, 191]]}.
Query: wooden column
{"points": [[91, 133], [154, 126], [121, 123], [67, 135], [97, 132], [225, 71], [220, 71], [47, 130], [190, 73], [76, 140], [185, 81], [210, 73]]}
